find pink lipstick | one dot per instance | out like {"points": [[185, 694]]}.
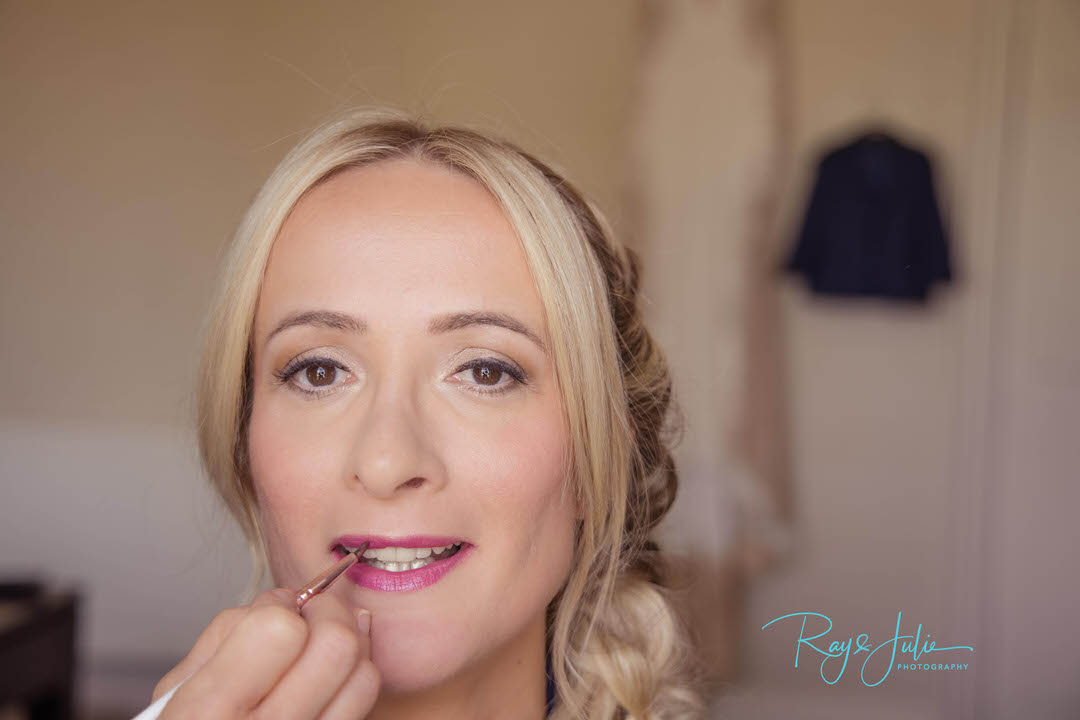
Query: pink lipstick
{"points": [[391, 574]]}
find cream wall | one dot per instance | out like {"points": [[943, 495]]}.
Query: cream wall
{"points": [[935, 449], [132, 138], [135, 133], [1031, 585], [933, 453]]}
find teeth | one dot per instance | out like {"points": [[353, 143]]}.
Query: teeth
{"points": [[413, 559], [406, 555]]}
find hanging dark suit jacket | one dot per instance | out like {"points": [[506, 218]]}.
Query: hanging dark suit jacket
{"points": [[872, 226]]}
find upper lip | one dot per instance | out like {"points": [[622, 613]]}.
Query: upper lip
{"points": [[411, 541]]}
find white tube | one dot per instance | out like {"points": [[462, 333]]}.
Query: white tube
{"points": [[152, 712]]}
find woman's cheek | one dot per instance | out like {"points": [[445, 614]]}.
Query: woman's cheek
{"points": [[286, 498], [521, 463], [525, 491]]}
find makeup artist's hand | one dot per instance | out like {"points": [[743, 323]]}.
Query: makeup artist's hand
{"points": [[266, 661]]}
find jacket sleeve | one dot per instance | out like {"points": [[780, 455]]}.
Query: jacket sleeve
{"points": [[808, 251], [932, 236]]}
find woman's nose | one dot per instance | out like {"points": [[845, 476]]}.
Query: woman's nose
{"points": [[391, 451]]}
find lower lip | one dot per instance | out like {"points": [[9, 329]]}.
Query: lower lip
{"points": [[375, 578]]}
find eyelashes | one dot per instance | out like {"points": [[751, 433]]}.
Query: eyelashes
{"points": [[486, 367]]}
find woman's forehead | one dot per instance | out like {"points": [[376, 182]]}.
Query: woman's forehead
{"points": [[398, 239]]}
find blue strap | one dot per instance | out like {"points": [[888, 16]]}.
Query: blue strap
{"points": [[550, 688]]}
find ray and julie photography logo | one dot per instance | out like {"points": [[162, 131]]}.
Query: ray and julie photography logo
{"points": [[905, 653]]}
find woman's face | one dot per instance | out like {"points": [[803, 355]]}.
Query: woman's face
{"points": [[423, 410]]}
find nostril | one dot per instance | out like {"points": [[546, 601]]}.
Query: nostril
{"points": [[415, 482]]}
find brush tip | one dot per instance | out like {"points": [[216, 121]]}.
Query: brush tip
{"points": [[357, 551]]}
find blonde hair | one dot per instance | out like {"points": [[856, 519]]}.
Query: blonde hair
{"points": [[617, 645]]}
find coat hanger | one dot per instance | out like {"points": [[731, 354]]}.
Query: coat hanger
{"points": [[875, 125]]}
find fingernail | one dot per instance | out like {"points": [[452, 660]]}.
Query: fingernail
{"points": [[363, 619]]}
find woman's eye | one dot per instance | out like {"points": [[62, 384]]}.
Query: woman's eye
{"points": [[313, 376], [490, 377]]}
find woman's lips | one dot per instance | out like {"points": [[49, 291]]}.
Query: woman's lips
{"points": [[375, 578]]}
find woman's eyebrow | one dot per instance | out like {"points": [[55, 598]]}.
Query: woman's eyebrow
{"points": [[437, 325]]}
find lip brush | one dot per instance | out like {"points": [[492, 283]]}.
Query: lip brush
{"points": [[313, 588], [324, 581]]}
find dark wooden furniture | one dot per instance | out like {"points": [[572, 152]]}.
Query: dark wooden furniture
{"points": [[37, 649]]}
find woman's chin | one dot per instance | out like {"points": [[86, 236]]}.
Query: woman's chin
{"points": [[408, 666]]}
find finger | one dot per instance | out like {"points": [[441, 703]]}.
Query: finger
{"points": [[211, 638], [333, 648], [327, 606], [357, 696], [275, 596], [250, 662]]}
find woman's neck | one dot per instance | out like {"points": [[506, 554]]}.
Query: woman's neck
{"points": [[509, 683]]}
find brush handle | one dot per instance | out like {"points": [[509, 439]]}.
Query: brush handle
{"points": [[322, 582], [312, 589]]}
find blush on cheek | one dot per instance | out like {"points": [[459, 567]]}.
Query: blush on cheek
{"points": [[287, 503]]}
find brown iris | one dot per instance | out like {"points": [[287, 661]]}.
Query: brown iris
{"points": [[484, 374], [320, 375]]}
